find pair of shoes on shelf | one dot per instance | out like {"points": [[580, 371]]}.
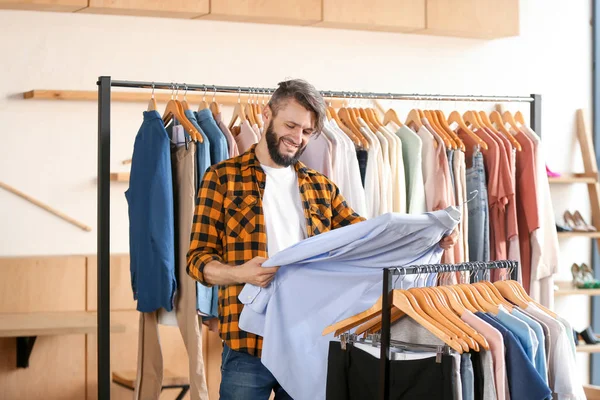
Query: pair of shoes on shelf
{"points": [[551, 174], [588, 336], [576, 222], [583, 277]]}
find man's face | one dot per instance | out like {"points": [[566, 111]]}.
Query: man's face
{"points": [[288, 133]]}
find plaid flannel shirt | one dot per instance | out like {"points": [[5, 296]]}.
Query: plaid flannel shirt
{"points": [[229, 227]]}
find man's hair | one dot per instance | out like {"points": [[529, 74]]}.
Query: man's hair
{"points": [[305, 94]]}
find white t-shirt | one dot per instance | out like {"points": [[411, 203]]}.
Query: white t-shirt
{"points": [[282, 209]]}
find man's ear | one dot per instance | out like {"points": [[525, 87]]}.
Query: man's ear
{"points": [[267, 114]]}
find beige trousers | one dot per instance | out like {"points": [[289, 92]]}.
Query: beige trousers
{"points": [[150, 361]]}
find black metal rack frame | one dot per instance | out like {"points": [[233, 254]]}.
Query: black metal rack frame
{"points": [[106, 83]]}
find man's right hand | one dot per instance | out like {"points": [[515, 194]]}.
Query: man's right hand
{"points": [[252, 272]]}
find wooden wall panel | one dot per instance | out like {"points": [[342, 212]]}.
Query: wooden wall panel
{"points": [[374, 15], [121, 294], [56, 369], [29, 284], [150, 8], [44, 5], [289, 12]]}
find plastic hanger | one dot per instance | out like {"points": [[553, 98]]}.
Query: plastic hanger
{"points": [[458, 119], [495, 117], [238, 112], [152, 103]]}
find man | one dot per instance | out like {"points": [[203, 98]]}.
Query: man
{"points": [[252, 206]]}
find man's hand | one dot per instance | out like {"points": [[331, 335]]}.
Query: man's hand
{"points": [[449, 241], [252, 272]]}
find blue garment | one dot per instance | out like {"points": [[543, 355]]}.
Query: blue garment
{"points": [[327, 278], [218, 142], [522, 332], [151, 219], [206, 297], [467, 377], [479, 220], [243, 377], [523, 380], [540, 355]]}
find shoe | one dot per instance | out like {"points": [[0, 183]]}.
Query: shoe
{"points": [[575, 337], [551, 174], [581, 222], [588, 336], [587, 274], [562, 228], [577, 276], [573, 223]]}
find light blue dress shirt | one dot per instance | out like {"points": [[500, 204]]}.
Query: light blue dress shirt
{"points": [[327, 278], [522, 332], [540, 355]]}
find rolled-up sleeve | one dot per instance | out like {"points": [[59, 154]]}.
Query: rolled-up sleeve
{"points": [[206, 242]]}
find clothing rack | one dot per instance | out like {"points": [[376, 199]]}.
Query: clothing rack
{"points": [[106, 83], [387, 287]]}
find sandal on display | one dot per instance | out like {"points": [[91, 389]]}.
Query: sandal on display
{"points": [[551, 174], [583, 277]]}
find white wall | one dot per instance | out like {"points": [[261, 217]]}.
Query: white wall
{"points": [[48, 148]]}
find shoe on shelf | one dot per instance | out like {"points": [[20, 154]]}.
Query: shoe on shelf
{"points": [[574, 223], [583, 277], [576, 337], [563, 228], [588, 336], [587, 274], [551, 174], [581, 222]]}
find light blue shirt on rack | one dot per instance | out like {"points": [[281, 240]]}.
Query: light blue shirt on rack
{"points": [[327, 278]]}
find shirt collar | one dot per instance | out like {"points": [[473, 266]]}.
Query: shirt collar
{"points": [[249, 159]]}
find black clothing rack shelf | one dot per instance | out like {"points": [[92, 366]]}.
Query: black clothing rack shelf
{"points": [[106, 83], [387, 286]]}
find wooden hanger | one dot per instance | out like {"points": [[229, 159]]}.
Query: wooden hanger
{"points": [[347, 117], [441, 120], [491, 294], [496, 118], [470, 117], [486, 305], [486, 121], [447, 139], [414, 117], [250, 114], [508, 117], [374, 118], [349, 132], [238, 113], [174, 110], [456, 117], [363, 114], [519, 118], [390, 115], [462, 298], [426, 304]]}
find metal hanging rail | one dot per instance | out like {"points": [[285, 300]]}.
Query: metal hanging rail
{"points": [[105, 83]]}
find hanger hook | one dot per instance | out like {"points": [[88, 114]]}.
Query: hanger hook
{"points": [[152, 90], [239, 95], [473, 195], [177, 91], [185, 93], [172, 90], [401, 273], [214, 93]]}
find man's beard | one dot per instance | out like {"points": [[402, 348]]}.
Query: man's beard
{"points": [[273, 145]]}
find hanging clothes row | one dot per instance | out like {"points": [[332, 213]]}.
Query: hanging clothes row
{"points": [[466, 341]]}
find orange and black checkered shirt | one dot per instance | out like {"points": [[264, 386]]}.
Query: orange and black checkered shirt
{"points": [[229, 227]]}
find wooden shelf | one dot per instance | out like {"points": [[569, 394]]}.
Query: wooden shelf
{"points": [[588, 348], [50, 323], [591, 235], [574, 178], [566, 289], [119, 176], [161, 96]]}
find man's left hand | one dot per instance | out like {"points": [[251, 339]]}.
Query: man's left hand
{"points": [[449, 241]]}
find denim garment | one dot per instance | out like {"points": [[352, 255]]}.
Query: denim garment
{"points": [[540, 355], [218, 142], [362, 156], [467, 377], [327, 278], [450, 156], [479, 220], [151, 217], [206, 297], [524, 382], [243, 377]]}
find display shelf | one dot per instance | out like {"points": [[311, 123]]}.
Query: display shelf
{"points": [[591, 235], [119, 176], [573, 178]]}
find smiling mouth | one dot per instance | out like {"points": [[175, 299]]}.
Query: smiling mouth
{"points": [[290, 143]]}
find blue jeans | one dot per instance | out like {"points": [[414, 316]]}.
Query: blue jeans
{"points": [[479, 221], [244, 377]]}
